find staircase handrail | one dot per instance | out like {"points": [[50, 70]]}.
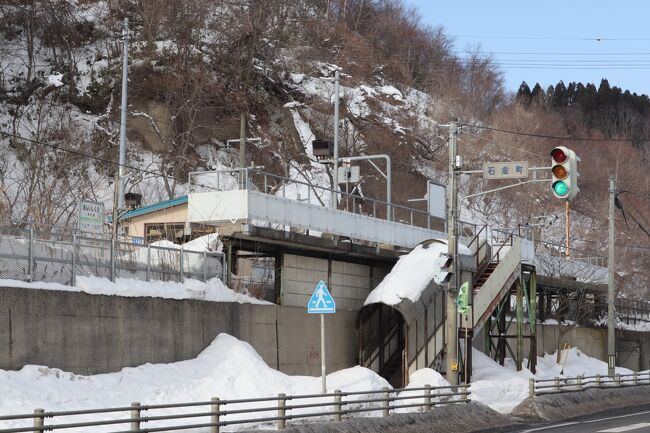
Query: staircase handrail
{"points": [[475, 238], [507, 242]]}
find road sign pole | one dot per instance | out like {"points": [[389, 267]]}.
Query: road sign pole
{"points": [[322, 302], [322, 355]]}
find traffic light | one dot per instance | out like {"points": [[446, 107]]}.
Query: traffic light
{"points": [[442, 265], [564, 173]]}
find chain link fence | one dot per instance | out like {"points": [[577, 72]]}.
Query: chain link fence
{"points": [[43, 254]]}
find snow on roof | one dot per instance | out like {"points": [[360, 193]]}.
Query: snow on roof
{"points": [[411, 275]]}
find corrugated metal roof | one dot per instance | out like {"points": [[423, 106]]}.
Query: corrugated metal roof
{"points": [[154, 207]]}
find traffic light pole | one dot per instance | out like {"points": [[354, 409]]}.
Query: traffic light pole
{"points": [[335, 174], [611, 288], [451, 330]]}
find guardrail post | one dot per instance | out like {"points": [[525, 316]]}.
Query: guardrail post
{"points": [[39, 420], [215, 415], [337, 404], [635, 378], [427, 397], [557, 383], [385, 404], [135, 416], [30, 256], [148, 276], [599, 380], [580, 382], [180, 265], [73, 277], [531, 388], [618, 379], [464, 397], [205, 266], [282, 423]]}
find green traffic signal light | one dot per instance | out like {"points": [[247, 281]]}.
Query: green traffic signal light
{"points": [[560, 188]]}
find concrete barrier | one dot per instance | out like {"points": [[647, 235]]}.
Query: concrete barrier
{"points": [[91, 334]]}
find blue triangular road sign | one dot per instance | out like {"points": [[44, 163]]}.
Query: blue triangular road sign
{"points": [[321, 300]]}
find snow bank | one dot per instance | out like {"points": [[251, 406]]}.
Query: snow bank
{"points": [[411, 274], [418, 379], [503, 388], [212, 290], [228, 369]]}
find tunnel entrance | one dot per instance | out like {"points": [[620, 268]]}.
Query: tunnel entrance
{"points": [[381, 331]]}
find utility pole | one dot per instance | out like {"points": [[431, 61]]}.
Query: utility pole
{"points": [[452, 245], [242, 149], [335, 176], [242, 140], [119, 179], [611, 288]]}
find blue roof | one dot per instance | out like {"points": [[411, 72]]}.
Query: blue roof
{"points": [[154, 207]]}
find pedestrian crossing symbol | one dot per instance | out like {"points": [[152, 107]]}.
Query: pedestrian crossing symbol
{"points": [[321, 301]]}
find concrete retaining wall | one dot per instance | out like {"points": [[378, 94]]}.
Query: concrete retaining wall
{"points": [[90, 334], [633, 347], [350, 283]]}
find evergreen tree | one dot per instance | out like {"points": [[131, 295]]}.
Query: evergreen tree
{"points": [[559, 98], [538, 96], [523, 94], [571, 94]]}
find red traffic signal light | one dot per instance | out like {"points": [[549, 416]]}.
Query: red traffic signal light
{"points": [[564, 173], [558, 155]]}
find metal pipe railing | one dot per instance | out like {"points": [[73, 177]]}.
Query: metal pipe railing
{"points": [[336, 406], [558, 385], [410, 215]]}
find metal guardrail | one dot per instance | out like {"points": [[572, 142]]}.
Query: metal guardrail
{"points": [[255, 179], [580, 383], [218, 413], [632, 311], [29, 254]]}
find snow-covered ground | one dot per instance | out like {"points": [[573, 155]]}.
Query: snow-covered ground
{"points": [[231, 369], [228, 369], [211, 290], [502, 387]]}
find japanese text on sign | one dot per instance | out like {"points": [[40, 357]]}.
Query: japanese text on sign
{"points": [[505, 170]]}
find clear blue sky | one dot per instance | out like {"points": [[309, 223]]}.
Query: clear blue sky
{"points": [[569, 29]]}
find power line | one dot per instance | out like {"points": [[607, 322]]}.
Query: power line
{"points": [[539, 155], [97, 158], [554, 137], [553, 53], [552, 38]]}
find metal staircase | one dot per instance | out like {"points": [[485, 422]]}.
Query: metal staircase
{"points": [[381, 342], [508, 274], [395, 349]]}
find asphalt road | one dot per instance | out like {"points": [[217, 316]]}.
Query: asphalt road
{"points": [[635, 422]]}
